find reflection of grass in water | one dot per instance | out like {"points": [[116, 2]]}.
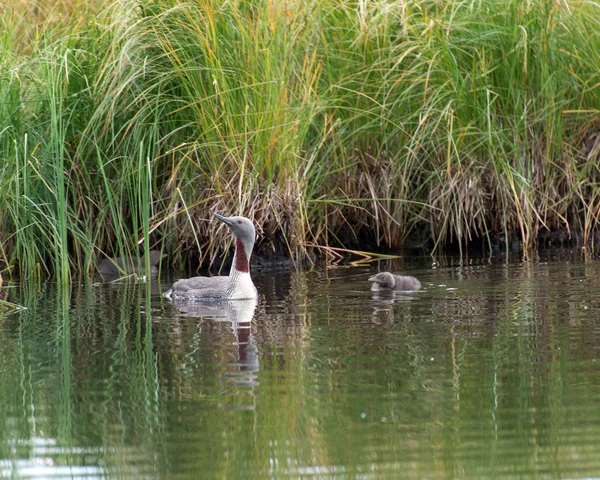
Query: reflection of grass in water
{"points": [[9, 307], [325, 122], [96, 368]]}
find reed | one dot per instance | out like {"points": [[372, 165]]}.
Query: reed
{"points": [[340, 124]]}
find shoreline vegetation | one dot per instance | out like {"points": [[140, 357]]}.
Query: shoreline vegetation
{"points": [[351, 124]]}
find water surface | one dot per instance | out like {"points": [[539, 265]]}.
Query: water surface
{"points": [[491, 370]]}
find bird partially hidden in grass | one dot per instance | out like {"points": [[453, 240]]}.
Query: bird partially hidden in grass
{"points": [[388, 281], [237, 285], [130, 264]]}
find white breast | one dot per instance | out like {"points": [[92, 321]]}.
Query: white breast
{"points": [[241, 286]]}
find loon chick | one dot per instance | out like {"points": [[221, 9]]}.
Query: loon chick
{"points": [[238, 285], [389, 281], [130, 264]]}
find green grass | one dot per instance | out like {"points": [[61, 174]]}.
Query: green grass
{"points": [[328, 123]]}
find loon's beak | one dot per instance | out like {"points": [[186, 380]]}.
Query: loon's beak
{"points": [[372, 279], [225, 220]]}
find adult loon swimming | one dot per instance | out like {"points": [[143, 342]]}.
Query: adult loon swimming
{"points": [[237, 285]]}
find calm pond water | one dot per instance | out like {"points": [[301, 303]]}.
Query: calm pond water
{"points": [[492, 370]]}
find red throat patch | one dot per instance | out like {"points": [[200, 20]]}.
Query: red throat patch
{"points": [[241, 259]]}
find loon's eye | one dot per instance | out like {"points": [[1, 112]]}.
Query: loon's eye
{"points": [[240, 222]]}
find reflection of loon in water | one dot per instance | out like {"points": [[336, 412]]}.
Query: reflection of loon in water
{"points": [[247, 357], [390, 297], [239, 313]]}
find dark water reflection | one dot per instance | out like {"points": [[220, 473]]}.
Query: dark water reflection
{"points": [[492, 370]]}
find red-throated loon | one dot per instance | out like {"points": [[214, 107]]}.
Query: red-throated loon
{"points": [[238, 285]]}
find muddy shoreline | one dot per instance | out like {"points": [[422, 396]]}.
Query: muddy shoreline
{"points": [[275, 256]]}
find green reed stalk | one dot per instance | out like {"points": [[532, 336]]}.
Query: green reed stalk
{"points": [[57, 77], [110, 213], [145, 200]]}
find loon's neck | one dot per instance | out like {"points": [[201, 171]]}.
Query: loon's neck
{"points": [[241, 258]]}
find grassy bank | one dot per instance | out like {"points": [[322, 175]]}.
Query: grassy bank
{"points": [[328, 123]]}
